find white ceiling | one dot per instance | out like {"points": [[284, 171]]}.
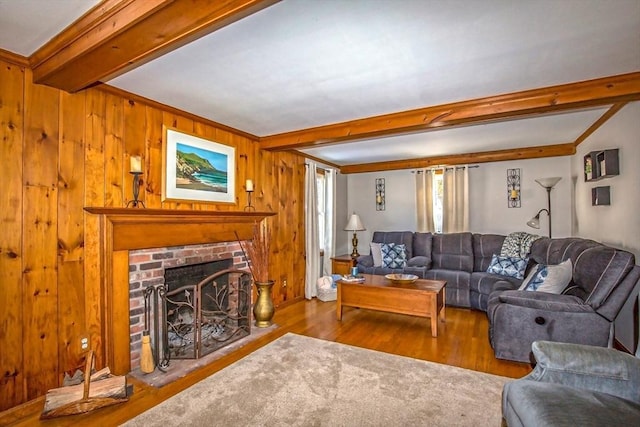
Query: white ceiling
{"points": [[304, 63], [25, 25]]}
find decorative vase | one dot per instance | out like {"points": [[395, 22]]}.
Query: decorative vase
{"points": [[263, 309]]}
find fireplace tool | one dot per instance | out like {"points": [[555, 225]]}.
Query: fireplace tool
{"points": [[160, 301], [147, 364], [161, 360]]}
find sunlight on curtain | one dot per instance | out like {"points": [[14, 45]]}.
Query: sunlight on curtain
{"points": [[424, 200], [329, 244], [312, 244], [455, 200]]}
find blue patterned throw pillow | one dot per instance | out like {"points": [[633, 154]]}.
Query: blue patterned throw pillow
{"points": [[393, 255], [508, 266]]}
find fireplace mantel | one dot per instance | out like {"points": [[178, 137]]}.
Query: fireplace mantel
{"points": [[152, 228], [125, 229]]}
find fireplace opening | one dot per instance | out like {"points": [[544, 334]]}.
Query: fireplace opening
{"points": [[190, 300], [206, 306]]}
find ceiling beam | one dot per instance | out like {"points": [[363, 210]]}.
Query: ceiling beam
{"points": [[602, 120], [119, 35], [459, 159], [553, 99]]}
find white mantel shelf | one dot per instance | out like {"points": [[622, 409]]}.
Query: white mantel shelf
{"points": [[124, 229]]}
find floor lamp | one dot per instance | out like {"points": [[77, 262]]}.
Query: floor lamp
{"points": [[354, 225], [547, 184]]}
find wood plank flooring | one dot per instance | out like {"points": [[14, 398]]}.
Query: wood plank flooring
{"points": [[462, 341]]}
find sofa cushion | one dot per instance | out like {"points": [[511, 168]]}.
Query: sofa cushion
{"points": [[596, 268], [549, 278], [399, 237], [393, 255], [453, 251], [484, 246], [419, 261], [532, 403], [422, 243], [457, 288], [483, 283], [508, 266]]}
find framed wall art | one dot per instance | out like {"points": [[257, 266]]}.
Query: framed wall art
{"points": [[196, 169]]}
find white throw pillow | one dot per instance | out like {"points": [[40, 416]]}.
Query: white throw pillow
{"points": [[376, 253], [549, 278]]}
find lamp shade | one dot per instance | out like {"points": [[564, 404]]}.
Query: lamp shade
{"points": [[354, 223], [534, 222], [548, 182]]}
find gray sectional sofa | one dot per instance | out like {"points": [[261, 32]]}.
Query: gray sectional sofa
{"points": [[602, 279]]}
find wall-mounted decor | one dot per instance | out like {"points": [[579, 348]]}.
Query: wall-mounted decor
{"points": [[601, 164], [513, 188], [248, 187], [196, 169], [379, 194], [601, 196], [136, 172]]}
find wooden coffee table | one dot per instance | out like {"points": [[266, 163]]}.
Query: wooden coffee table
{"points": [[423, 298]]}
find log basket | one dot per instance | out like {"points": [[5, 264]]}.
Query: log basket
{"points": [[86, 404]]}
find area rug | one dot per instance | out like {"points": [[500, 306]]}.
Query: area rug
{"points": [[301, 381]]}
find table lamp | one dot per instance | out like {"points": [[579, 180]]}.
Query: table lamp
{"points": [[354, 225]]}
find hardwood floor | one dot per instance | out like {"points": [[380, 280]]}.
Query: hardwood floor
{"points": [[462, 341]]}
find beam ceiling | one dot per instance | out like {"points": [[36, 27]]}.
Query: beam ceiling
{"points": [[553, 99], [118, 35]]}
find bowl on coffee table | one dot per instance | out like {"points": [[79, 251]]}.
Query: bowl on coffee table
{"points": [[401, 278]]}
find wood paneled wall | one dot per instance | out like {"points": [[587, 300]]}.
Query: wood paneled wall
{"points": [[60, 152]]}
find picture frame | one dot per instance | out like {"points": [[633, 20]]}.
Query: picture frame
{"points": [[196, 169]]}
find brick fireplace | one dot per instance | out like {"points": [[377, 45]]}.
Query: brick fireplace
{"points": [[123, 230], [174, 267]]}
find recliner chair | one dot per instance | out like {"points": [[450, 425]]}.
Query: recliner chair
{"points": [[603, 278], [575, 385]]}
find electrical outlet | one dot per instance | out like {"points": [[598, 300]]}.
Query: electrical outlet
{"points": [[84, 343], [284, 283]]}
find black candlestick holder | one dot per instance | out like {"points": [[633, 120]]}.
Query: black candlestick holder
{"points": [[136, 191], [249, 207]]}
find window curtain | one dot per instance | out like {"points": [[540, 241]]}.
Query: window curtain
{"points": [[329, 221], [455, 203], [424, 200], [312, 245]]}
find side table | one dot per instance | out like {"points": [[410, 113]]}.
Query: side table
{"points": [[341, 264]]}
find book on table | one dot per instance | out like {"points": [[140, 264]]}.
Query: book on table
{"points": [[352, 279]]}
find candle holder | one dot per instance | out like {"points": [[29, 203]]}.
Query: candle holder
{"points": [[513, 188], [249, 207], [136, 191]]}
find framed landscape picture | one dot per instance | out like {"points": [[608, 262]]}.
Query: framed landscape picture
{"points": [[196, 169]]}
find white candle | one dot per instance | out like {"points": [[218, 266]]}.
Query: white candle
{"points": [[249, 185], [136, 164]]}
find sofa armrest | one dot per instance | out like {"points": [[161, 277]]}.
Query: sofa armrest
{"points": [[544, 301], [365, 260], [588, 367], [419, 261]]}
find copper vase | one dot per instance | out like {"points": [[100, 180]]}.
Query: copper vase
{"points": [[263, 309]]}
